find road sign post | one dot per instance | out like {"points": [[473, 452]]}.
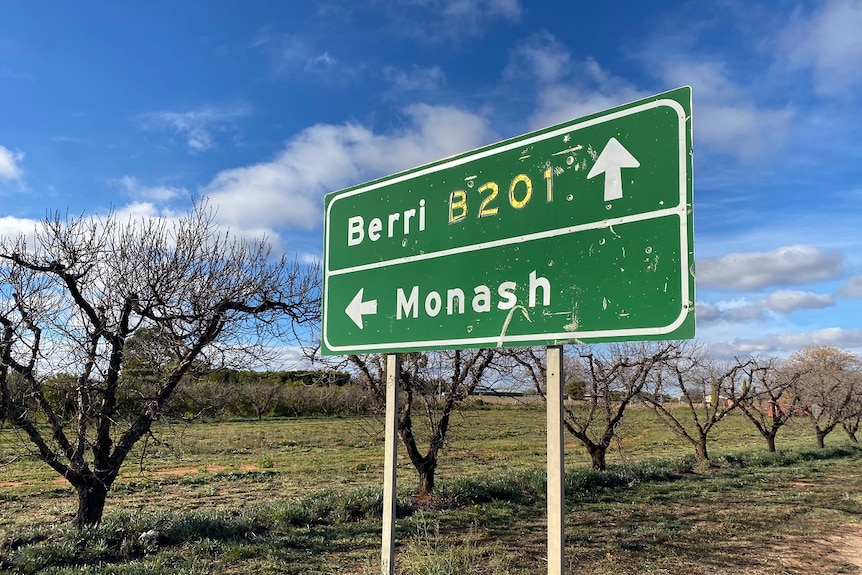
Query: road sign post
{"points": [[579, 232], [556, 471], [390, 465]]}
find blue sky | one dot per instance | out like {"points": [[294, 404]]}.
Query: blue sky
{"points": [[264, 107]]}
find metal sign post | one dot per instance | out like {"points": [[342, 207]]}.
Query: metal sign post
{"points": [[390, 496], [556, 462], [579, 232]]}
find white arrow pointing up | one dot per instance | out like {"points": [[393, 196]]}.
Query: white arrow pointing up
{"points": [[358, 308], [610, 162]]}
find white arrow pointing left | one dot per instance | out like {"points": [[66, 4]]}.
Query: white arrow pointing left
{"points": [[610, 162], [358, 308]]}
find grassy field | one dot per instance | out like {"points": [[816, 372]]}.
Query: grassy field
{"points": [[304, 496]]}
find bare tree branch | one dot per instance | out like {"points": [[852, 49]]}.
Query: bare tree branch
{"points": [[70, 303]]}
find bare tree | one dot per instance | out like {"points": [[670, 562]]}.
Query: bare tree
{"points": [[830, 386], [436, 383], [75, 292], [772, 397], [854, 418], [612, 374], [710, 390], [261, 395]]}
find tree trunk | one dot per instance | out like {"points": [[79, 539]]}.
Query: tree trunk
{"points": [[426, 479], [91, 503], [770, 443], [700, 453], [820, 439], [851, 428], [425, 465], [597, 456]]}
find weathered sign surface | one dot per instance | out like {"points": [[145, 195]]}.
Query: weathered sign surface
{"points": [[578, 232]]}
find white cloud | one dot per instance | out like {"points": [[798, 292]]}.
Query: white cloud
{"points": [[729, 113], [151, 193], [324, 59], [287, 54], [137, 210], [437, 21], [284, 358], [284, 50], [784, 344], [742, 130], [475, 9], [10, 168], [725, 117], [509, 9], [827, 42], [417, 78], [542, 57], [563, 102], [11, 227], [706, 312], [196, 127], [790, 265], [288, 190], [568, 89], [852, 288], [741, 311], [309, 258], [782, 302], [787, 301]]}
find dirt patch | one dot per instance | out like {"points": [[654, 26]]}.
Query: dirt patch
{"points": [[849, 545], [9, 484], [170, 472], [178, 471], [831, 555], [824, 551], [429, 501], [826, 542], [183, 471]]}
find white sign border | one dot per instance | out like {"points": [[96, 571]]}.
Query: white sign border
{"points": [[681, 210]]}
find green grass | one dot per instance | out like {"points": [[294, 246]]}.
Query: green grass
{"points": [[304, 496]]}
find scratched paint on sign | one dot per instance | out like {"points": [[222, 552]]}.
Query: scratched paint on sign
{"points": [[578, 232]]}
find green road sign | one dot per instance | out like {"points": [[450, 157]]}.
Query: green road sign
{"points": [[578, 232]]}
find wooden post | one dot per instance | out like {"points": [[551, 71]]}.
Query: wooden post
{"points": [[556, 462], [387, 552]]}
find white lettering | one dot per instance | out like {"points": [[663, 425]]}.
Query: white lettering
{"points": [[404, 305], [482, 299], [388, 225], [355, 235], [433, 304], [408, 214], [509, 299], [454, 296], [392, 219], [407, 304], [535, 284], [374, 227]]}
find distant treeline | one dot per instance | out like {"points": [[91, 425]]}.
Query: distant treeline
{"points": [[229, 393], [306, 377], [217, 394]]}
